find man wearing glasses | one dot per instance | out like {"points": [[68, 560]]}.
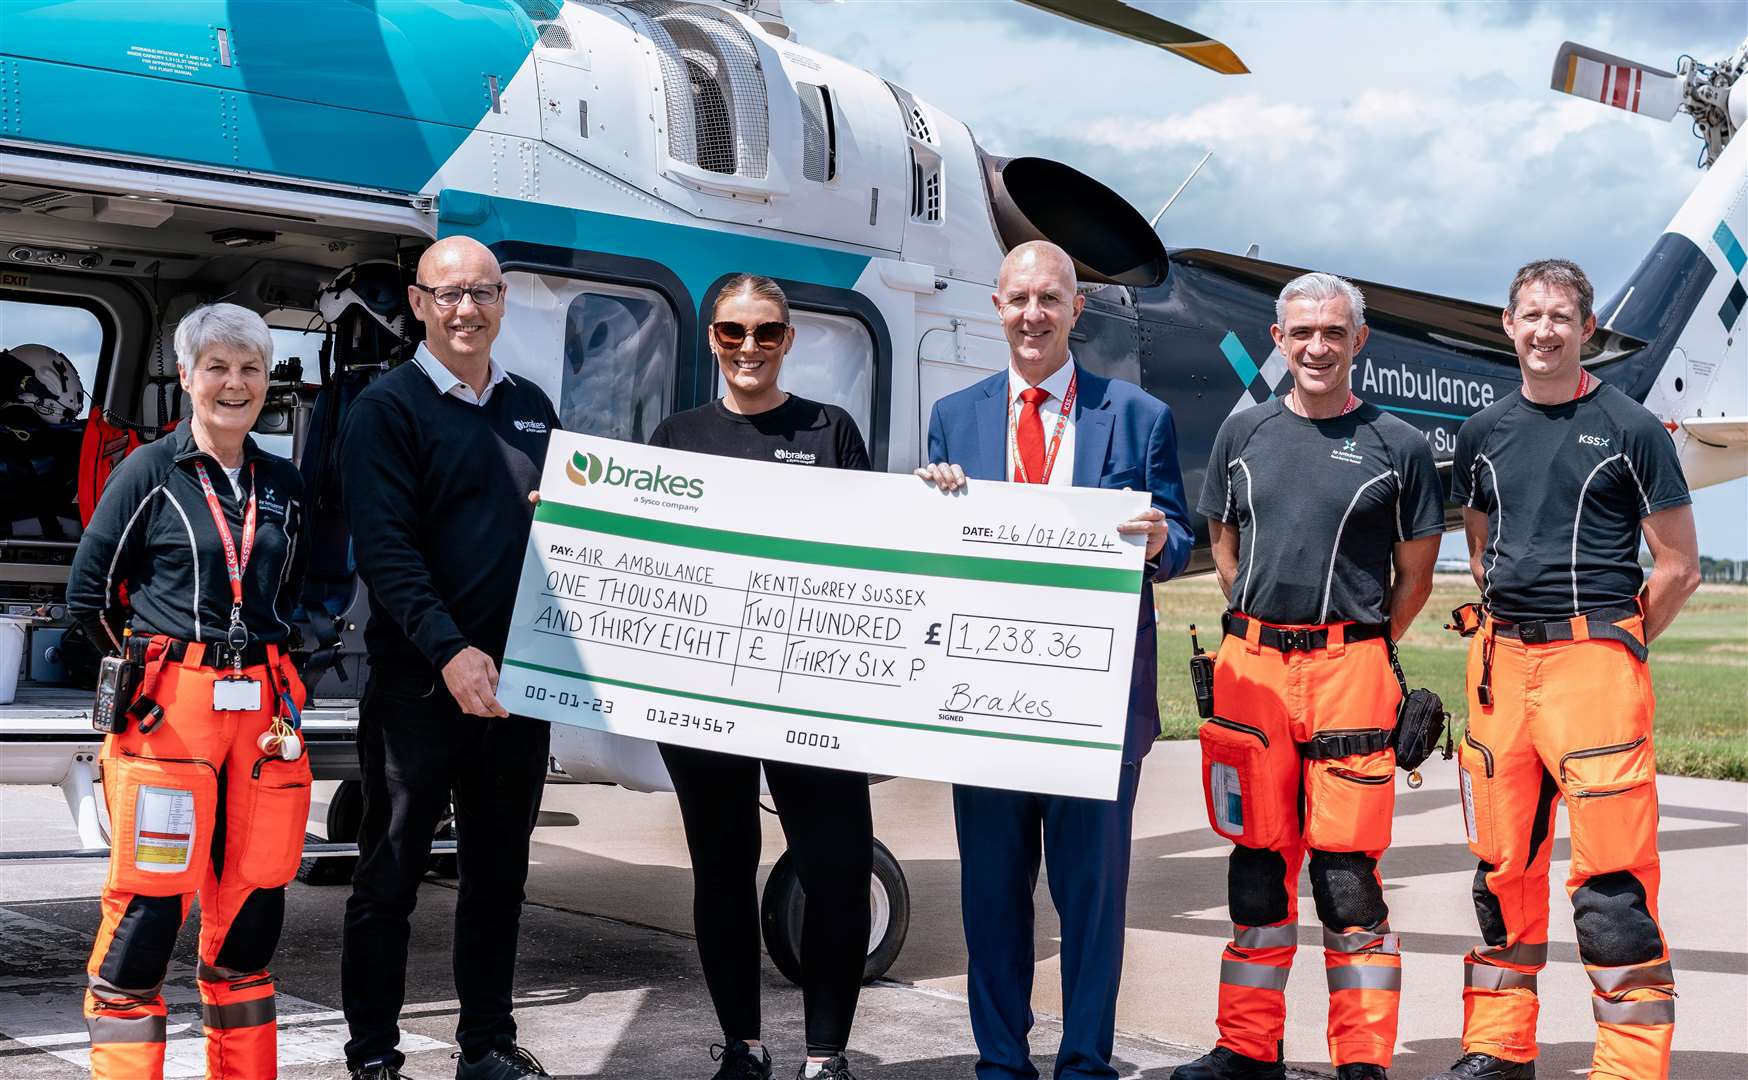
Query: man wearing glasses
{"points": [[438, 458]]}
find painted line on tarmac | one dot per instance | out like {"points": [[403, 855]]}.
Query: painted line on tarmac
{"points": [[42, 988]]}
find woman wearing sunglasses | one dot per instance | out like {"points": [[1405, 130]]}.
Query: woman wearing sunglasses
{"points": [[824, 812]]}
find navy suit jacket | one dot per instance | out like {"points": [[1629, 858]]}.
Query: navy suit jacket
{"points": [[1123, 438]]}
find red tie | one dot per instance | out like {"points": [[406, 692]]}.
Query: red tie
{"points": [[1029, 436]]}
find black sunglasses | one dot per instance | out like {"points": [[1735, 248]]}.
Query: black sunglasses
{"points": [[730, 335]]}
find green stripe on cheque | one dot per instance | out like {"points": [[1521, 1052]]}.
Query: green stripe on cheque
{"points": [[797, 711], [847, 556]]}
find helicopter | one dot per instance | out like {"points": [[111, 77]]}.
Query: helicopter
{"points": [[623, 158]]}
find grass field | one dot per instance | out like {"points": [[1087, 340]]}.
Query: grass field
{"points": [[1699, 667]]}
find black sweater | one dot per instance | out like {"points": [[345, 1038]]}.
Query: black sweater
{"points": [[154, 533], [436, 494]]}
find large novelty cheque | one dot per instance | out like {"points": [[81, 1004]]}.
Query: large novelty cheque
{"points": [[855, 620]]}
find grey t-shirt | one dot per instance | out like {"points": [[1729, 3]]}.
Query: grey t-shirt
{"points": [[1564, 488], [1319, 506]]}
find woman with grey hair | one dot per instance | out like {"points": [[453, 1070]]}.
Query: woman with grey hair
{"points": [[189, 572]]}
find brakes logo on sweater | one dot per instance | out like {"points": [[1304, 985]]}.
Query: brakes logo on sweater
{"points": [[796, 457], [586, 469]]}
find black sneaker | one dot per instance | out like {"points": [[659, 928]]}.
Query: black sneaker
{"points": [[377, 1070], [738, 1062], [1361, 1070], [512, 1064], [835, 1069], [1487, 1067], [1223, 1064]]}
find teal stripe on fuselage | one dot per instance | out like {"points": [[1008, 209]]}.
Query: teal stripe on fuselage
{"points": [[698, 257], [373, 94]]}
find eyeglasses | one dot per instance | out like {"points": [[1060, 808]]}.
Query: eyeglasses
{"points": [[450, 295], [730, 335]]}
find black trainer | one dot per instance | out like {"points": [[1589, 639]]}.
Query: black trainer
{"points": [[1361, 1070], [836, 1069], [512, 1064], [1223, 1064], [738, 1062], [377, 1070], [1487, 1067]]}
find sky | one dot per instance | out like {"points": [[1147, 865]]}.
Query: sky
{"points": [[1412, 143]]}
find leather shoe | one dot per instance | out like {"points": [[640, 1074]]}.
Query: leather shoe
{"points": [[1223, 1064], [512, 1063], [1487, 1067], [1361, 1070]]}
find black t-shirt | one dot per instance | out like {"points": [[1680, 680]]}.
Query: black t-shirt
{"points": [[1319, 506], [797, 432], [1564, 487]]}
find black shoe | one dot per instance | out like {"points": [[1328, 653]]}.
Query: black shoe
{"points": [[1223, 1064], [835, 1069], [512, 1064], [377, 1071], [1487, 1067], [1361, 1070], [738, 1062]]}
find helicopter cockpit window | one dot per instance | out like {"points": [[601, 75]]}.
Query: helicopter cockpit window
{"points": [[619, 350], [832, 361]]}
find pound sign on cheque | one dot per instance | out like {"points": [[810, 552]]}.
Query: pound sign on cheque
{"points": [[934, 637]]}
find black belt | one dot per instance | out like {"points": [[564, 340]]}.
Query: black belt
{"points": [[219, 654], [1546, 630], [1306, 639]]}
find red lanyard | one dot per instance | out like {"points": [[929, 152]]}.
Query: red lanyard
{"points": [[1055, 437], [235, 564], [1583, 384]]}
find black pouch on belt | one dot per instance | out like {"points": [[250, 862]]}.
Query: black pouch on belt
{"points": [[1420, 722]]}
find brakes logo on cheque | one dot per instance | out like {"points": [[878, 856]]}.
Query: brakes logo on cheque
{"points": [[586, 469]]}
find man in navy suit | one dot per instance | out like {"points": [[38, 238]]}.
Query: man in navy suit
{"points": [[1112, 434]]}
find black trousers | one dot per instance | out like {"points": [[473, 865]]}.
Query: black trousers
{"points": [[830, 830], [415, 748]]}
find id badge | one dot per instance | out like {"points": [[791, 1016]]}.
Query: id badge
{"points": [[235, 694]]}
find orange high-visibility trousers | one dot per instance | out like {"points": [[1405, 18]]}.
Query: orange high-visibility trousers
{"points": [[195, 806], [1569, 721], [1277, 801]]}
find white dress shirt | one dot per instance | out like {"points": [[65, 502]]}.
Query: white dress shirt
{"points": [[1048, 411], [446, 380]]}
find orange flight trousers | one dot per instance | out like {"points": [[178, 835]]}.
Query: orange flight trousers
{"points": [[195, 806], [1570, 721], [1277, 805]]}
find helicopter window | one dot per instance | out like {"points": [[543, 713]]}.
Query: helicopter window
{"points": [[832, 361], [49, 364], [619, 350]]}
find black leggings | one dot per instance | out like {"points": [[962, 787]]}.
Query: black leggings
{"points": [[826, 819]]}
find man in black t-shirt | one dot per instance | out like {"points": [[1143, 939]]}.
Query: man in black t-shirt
{"points": [[1324, 514], [1558, 482]]}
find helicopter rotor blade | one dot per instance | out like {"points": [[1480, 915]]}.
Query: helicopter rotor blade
{"points": [[1116, 17], [1611, 80]]}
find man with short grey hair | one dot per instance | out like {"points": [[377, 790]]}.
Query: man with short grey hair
{"points": [[1324, 514]]}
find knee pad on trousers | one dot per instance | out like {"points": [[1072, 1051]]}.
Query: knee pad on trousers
{"points": [[1256, 888], [254, 933], [1344, 885], [1615, 927], [1488, 913], [139, 953]]}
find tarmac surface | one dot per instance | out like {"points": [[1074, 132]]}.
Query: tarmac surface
{"points": [[608, 982]]}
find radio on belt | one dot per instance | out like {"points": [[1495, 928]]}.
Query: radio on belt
{"points": [[1201, 677]]}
